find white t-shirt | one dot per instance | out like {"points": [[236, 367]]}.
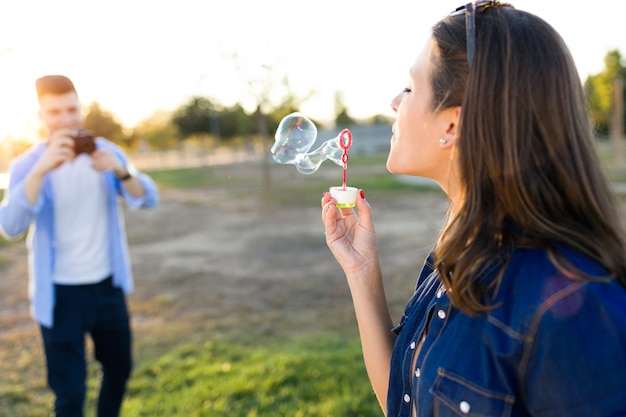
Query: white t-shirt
{"points": [[80, 223]]}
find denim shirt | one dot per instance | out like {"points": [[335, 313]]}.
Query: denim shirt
{"points": [[17, 214], [553, 346]]}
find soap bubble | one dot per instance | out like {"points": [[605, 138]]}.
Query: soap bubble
{"points": [[293, 140]]}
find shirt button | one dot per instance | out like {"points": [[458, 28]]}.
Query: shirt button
{"points": [[441, 314], [465, 407], [412, 345], [439, 292], [418, 373], [407, 398]]}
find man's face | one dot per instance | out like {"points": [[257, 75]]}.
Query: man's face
{"points": [[60, 111]]}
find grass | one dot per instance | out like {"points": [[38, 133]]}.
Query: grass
{"points": [[314, 376], [365, 171], [185, 177]]}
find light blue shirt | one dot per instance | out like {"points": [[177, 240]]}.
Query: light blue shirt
{"points": [[17, 215]]}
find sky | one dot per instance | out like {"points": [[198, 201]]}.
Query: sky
{"points": [[135, 57]]}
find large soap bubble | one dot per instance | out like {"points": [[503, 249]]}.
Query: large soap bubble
{"points": [[293, 140]]}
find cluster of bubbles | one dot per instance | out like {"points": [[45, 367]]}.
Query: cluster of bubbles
{"points": [[294, 139]]}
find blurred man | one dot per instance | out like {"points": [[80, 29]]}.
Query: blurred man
{"points": [[67, 190]]}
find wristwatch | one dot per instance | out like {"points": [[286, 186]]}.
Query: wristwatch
{"points": [[127, 174], [125, 177]]}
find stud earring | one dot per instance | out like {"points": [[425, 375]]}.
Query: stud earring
{"points": [[442, 141]]}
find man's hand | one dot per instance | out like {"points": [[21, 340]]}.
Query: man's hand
{"points": [[103, 160], [60, 149]]}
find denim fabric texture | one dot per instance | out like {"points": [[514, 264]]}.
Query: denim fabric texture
{"points": [[552, 346]]}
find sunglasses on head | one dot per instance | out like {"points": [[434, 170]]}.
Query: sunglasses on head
{"points": [[470, 10]]}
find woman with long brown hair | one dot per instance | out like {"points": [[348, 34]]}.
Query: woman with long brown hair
{"points": [[520, 308]]}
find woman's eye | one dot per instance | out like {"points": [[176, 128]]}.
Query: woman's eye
{"points": [[406, 90]]}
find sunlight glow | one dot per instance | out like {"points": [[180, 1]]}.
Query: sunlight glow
{"points": [[135, 63]]}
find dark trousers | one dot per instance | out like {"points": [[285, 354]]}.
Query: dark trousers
{"points": [[99, 310]]}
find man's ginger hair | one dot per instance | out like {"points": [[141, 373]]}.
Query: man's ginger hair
{"points": [[53, 84]]}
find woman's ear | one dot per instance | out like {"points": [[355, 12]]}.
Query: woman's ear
{"points": [[451, 119]]}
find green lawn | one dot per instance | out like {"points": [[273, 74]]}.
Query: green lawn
{"points": [[315, 376]]}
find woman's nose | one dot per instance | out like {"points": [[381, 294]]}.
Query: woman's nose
{"points": [[395, 103]]}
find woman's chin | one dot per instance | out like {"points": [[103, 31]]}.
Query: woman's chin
{"points": [[393, 166], [389, 166]]}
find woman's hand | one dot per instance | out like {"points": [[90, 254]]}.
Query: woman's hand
{"points": [[351, 238], [352, 241]]}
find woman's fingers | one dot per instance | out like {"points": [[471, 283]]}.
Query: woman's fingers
{"points": [[365, 211]]}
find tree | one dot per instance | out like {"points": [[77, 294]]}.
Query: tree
{"points": [[198, 116], [158, 130], [234, 121], [273, 99], [380, 119], [289, 102], [342, 118], [103, 123], [599, 89]]}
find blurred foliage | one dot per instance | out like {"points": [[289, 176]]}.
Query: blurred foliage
{"points": [[272, 97], [342, 117], [103, 123], [197, 116], [158, 131], [11, 147], [202, 115], [599, 88], [205, 116]]}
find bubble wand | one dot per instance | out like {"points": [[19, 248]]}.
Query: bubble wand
{"points": [[345, 196], [345, 145]]}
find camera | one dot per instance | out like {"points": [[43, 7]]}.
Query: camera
{"points": [[84, 142]]}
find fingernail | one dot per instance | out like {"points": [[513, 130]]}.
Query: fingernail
{"points": [[362, 194], [324, 193]]}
